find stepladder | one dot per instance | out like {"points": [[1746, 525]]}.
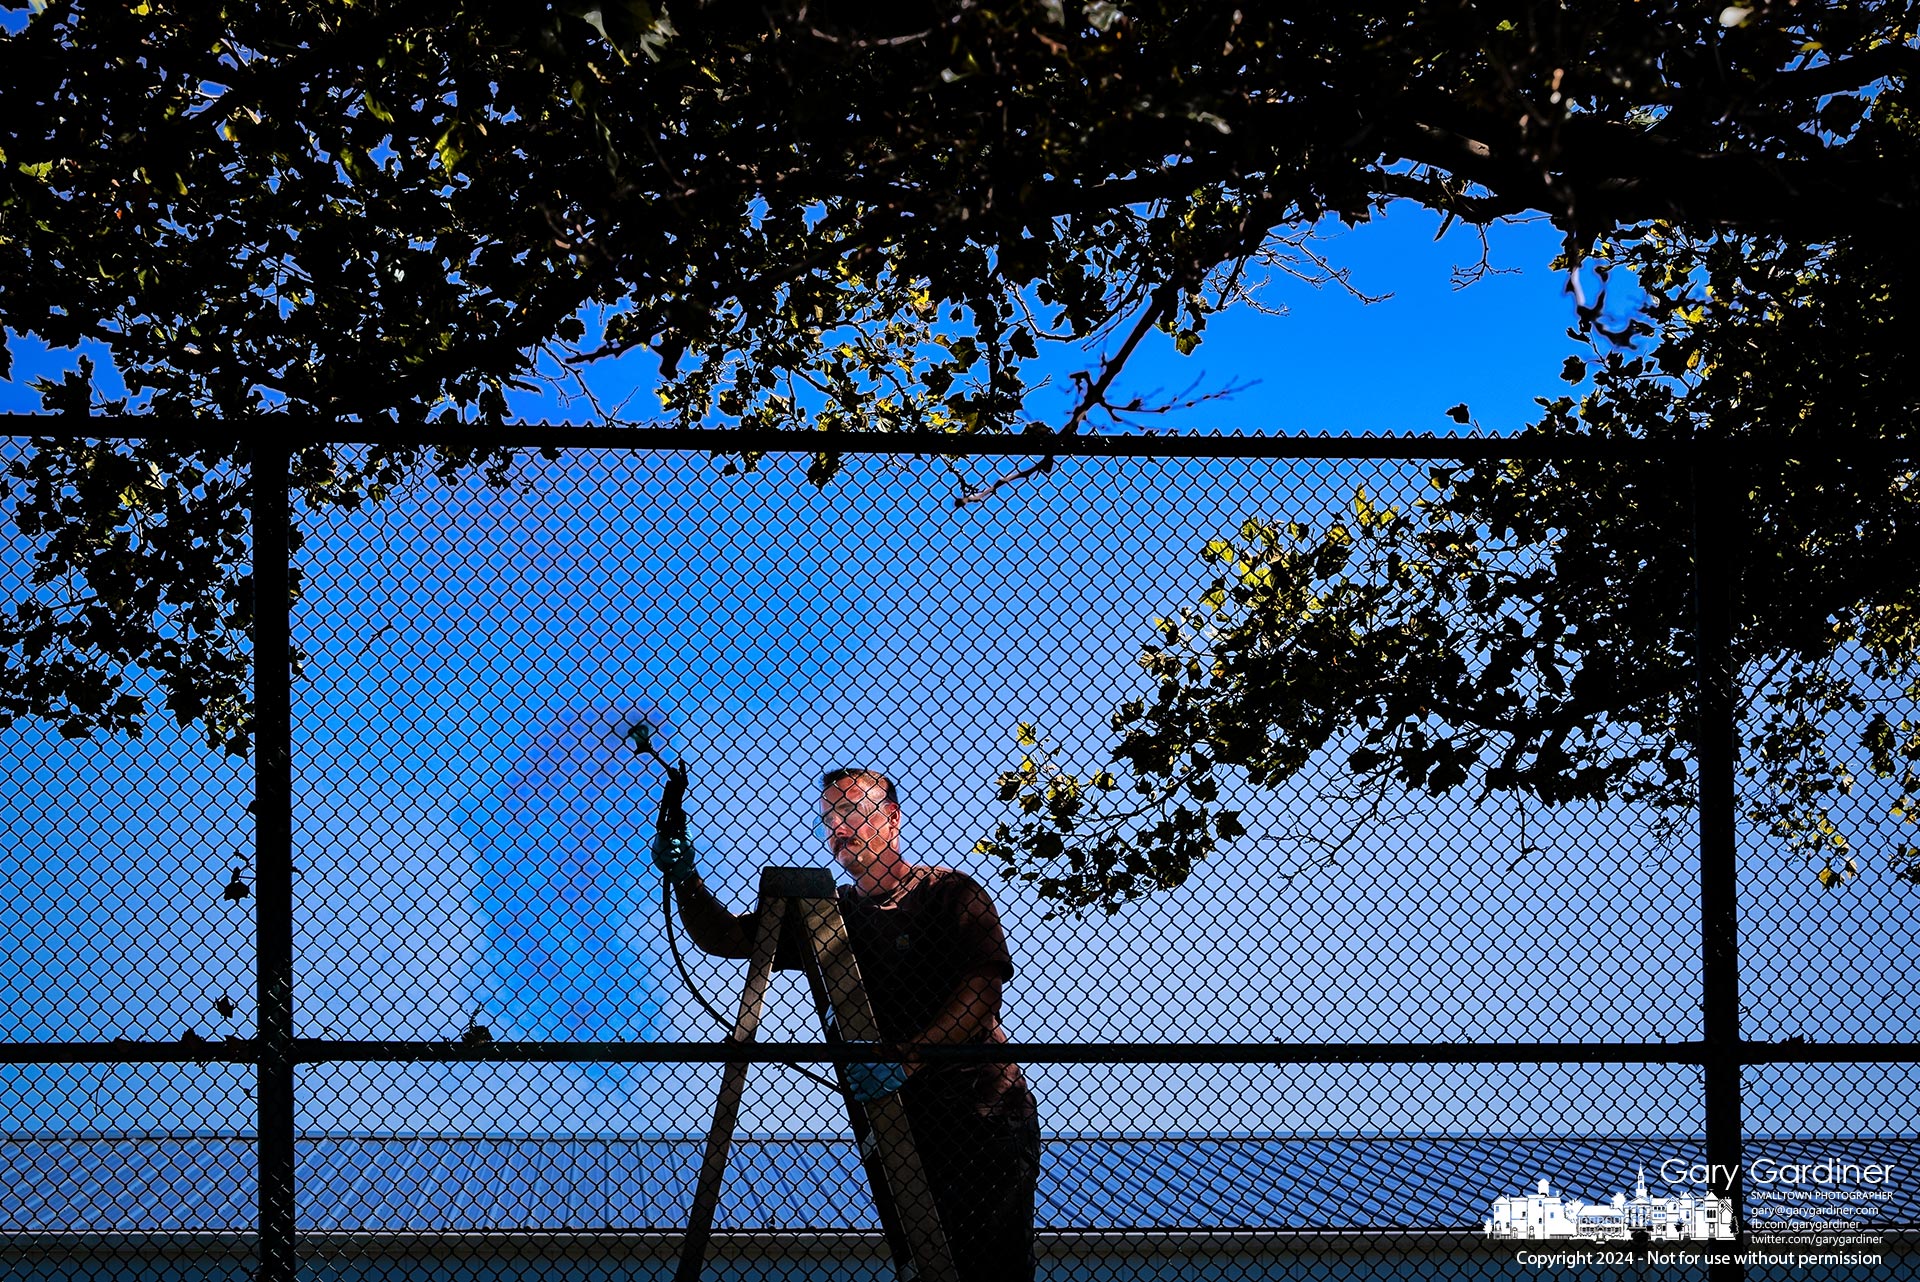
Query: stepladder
{"points": [[800, 906]]}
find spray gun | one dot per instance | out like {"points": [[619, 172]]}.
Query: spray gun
{"points": [[671, 822], [640, 735]]}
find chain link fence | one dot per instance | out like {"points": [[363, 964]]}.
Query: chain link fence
{"points": [[1369, 1037]]}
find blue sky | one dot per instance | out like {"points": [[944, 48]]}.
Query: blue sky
{"points": [[1331, 363], [465, 648]]}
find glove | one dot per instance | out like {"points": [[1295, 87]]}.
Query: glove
{"points": [[672, 852], [673, 856], [869, 1082]]}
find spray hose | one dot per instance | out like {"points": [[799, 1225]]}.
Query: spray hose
{"points": [[641, 735], [679, 962]]}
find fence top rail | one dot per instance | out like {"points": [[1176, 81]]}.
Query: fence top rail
{"points": [[289, 430], [240, 1050]]}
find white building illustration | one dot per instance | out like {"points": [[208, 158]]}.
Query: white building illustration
{"points": [[1545, 1214]]}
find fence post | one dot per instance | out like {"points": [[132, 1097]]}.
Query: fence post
{"points": [[273, 855], [1714, 511]]}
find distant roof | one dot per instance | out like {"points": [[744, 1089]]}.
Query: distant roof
{"points": [[419, 1185]]}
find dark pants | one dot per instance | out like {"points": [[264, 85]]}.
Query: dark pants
{"points": [[983, 1170]]}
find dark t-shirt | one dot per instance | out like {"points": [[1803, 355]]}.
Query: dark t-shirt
{"points": [[916, 948]]}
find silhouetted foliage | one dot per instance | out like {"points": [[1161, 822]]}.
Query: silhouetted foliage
{"points": [[835, 216]]}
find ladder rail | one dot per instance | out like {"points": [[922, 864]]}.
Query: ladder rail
{"points": [[882, 1130], [733, 1084], [903, 1184], [862, 1132]]}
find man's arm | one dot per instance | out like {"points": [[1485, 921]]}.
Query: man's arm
{"points": [[712, 928], [968, 1016], [709, 924]]}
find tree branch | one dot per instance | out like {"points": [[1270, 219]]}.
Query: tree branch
{"points": [[1621, 174], [1856, 72]]}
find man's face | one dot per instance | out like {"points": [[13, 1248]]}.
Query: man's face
{"points": [[863, 827]]}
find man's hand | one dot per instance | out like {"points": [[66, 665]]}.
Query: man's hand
{"points": [[672, 852], [869, 1082], [673, 856]]}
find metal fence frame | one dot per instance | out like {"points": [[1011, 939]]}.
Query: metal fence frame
{"points": [[275, 1051]]}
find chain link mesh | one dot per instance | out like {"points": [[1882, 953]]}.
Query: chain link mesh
{"points": [[473, 833]]}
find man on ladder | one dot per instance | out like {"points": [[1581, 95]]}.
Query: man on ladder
{"points": [[930, 949]]}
